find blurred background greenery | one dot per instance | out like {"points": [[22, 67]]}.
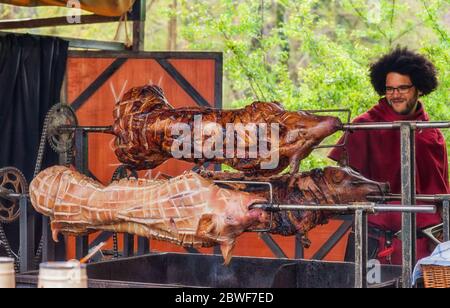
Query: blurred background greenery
{"points": [[307, 54]]}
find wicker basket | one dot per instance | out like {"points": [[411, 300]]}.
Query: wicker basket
{"points": [[436, 276]]}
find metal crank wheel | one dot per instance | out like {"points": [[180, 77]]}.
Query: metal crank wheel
{"points": [[12, 181], [60, 116]]}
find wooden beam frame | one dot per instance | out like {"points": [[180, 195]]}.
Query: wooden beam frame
{"points": [[137, 15], [53, 22], [84, 44], [139, 12]]}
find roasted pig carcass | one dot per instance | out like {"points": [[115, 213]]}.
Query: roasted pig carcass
{"points": [[188, 210], [331, 185], [260, 139]]}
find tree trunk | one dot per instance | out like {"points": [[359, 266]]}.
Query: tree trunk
{"points": [[173, 25]]}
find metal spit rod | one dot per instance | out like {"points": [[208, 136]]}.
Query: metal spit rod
{"points": [[10, 195], [395, 125], [90, 129], [359, 126], [438, 199], [396, 197], [370, 207]]}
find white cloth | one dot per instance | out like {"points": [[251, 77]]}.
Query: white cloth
{"points": [[440, 257]]}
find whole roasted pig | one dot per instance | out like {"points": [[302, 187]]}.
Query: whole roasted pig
{"points": [[260, 139], [188, 210], [331, 185]]}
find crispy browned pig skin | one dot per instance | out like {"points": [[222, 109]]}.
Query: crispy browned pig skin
{"points": [[332, 185], [144, 121], [187, 210]]}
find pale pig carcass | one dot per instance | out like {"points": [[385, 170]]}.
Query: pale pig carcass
{"points": [[187, 210]]}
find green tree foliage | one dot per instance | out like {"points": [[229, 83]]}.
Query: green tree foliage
{"points": [[315, 54], [307, 54]]}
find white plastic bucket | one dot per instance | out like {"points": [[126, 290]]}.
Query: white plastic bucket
{"points": [[57, 275], [7, 274]]}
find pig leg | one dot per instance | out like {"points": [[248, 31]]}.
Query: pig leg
{"points": [[295, 168], [306, 242]]}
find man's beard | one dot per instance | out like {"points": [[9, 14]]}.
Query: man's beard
{"points": [[411, 105]]}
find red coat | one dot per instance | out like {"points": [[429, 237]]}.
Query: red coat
{"points": [[376, 155]]}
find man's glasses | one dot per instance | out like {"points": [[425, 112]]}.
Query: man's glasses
{"points": [[402, 89]]}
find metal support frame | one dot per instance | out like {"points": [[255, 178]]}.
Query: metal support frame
{"points": [[299, 249], [82, 165], [143, 246], [443, 200], [333, 240], [128, 245], [273, 246], [361, 249], [27, 223], [408, 182], [446, 219], [361, 210], [49, 246]]}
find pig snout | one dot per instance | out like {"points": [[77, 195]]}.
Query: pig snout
{"points": [[326, 126], [376, 189], [255, 215]]}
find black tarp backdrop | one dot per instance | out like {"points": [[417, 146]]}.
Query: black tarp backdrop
{"points": [[32, 70]]}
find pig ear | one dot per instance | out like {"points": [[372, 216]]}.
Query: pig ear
{"points": [[206, 226], [227, 252], [338, 176], [55, 233], [318, 173]]}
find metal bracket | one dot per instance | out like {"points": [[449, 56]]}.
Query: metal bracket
{"points": [[446, 219]]}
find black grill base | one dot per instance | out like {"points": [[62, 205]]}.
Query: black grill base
{"points": [[196, 270]]}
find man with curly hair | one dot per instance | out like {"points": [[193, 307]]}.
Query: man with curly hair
{"points": [[400, 78]]}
